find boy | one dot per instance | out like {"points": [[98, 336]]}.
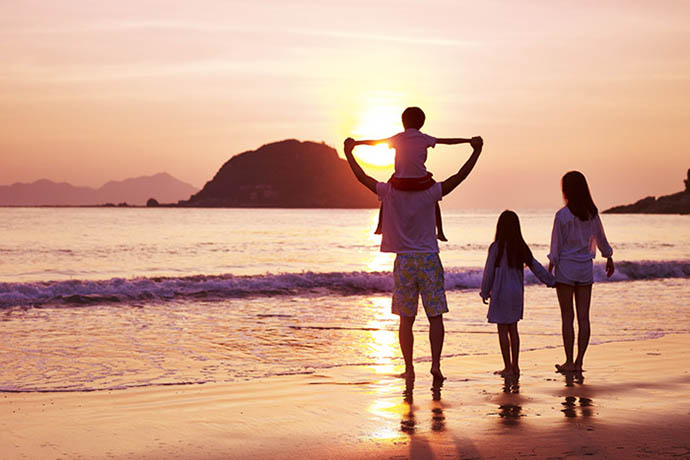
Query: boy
{"points": [[409, 232], [410, 155]]}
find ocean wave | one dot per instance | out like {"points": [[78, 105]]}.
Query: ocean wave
{"points": [[115, 290]]}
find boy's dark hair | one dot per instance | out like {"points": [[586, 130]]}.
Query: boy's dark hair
{"points": [[577, 196], [510, 241], [413, 117]]}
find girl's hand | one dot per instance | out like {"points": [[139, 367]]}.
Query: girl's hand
{"points": [[609, 267]]}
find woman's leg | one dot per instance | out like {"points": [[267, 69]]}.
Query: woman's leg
{"points": [[515, 348], [565, 300], [583, 298], [505, 348]]}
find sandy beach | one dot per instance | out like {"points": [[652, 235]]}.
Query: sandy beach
{"points": [[632, 404]]}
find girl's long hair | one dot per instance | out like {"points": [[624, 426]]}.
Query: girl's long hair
{"points": [[510, 242], [577, 196]]}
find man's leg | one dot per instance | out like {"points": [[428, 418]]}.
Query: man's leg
{"points": [[406, 339], [436, 334]]}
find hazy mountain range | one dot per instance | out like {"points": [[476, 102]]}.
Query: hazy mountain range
{"points": [[135, 191]]}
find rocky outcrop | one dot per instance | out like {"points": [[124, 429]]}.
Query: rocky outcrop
{"points": [[678, 203], [285, 174]]}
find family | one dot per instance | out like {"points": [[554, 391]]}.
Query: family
{"points": [[410, 223]]}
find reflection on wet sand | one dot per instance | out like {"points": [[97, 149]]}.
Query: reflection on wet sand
{"points": [[508, 412], [408, 422], [438, 419], [571, 408]]}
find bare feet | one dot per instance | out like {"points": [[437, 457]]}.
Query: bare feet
{"points": [[503, 372], [438, 376], [408, 374], [441, 236], [565, 367]]}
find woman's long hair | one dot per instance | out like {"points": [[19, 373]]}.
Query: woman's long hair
{"points": [[577, 196], [510, 242]]}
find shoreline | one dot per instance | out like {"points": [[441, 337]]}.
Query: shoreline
{"points": [[633, 403]]}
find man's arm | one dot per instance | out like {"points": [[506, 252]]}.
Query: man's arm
{"points": [[368, 181], [453, 181], [452, 140]]}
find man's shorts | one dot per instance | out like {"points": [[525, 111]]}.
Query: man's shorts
{"points": [[415, 274]]}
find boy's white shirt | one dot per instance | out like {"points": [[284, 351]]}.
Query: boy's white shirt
{"points": [[410, 152], [409, 219]]}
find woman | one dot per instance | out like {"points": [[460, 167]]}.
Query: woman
{"points": [[577, 232]]}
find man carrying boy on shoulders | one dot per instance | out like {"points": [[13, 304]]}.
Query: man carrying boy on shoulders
{"points": [[409, 230]]}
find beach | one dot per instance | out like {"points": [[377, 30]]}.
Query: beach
{"points": [[261, 334], [632, 404]]}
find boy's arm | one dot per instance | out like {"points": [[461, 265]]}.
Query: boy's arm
{"points": [[366, 180], [371, 142], [452, 140], [453, 181]]}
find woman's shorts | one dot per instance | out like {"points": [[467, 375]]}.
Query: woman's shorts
{"points": [[416, 274], [575, 273]]}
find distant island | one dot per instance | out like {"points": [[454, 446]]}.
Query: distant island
{"points": [[135, 191], [677, 203], [285, 174]]}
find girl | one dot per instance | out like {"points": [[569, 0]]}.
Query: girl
{"points": [[503, 282], [577, 232]]}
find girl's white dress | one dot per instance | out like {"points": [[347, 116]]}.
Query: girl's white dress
{"points": [[573, 247], [506, 286]]}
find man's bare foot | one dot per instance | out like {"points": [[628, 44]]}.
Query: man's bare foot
{"points": [[407, 375], [565, 367], [438, 376], [503, 372]]}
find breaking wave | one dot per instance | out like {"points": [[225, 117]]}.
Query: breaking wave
{"points": [[85, 292]]}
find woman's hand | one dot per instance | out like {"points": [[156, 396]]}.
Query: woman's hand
{"points": [[550, 268], [610, 268]]}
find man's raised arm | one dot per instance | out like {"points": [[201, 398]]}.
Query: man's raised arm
{"points": [[368, 181], [453, 181]]}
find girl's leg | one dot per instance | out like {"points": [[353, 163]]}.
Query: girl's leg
{"points": [[565, 300], [505, 349], [583, 298], [515, 348]]}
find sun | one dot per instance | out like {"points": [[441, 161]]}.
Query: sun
{"points": [[376, 122]]}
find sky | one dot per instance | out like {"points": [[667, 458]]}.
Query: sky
{"points": [[92, 91]]}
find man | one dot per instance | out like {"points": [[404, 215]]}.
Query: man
{"points": [[409, 230]]}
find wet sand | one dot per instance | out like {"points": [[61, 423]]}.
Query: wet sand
{"points": [[633, 403]]}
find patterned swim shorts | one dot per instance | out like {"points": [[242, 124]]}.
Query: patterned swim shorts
{"points": [[415, 274]]}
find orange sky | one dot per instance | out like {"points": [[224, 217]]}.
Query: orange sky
{"points": [[92, 91]]}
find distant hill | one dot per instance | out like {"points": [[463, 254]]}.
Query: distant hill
{"points": [[136, 191], [285, 174], [677, 203]]}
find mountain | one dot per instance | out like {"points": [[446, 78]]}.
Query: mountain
{"points": [[677, 203], [285, 174], [135, 191]]}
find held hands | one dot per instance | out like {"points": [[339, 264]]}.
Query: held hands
{"points": [[349, 144], [609, 267], [477, 142]]}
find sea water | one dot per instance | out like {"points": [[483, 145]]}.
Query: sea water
{"points": [[110, 298]]}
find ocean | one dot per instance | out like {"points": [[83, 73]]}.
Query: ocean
{"points": [[112, 298]]}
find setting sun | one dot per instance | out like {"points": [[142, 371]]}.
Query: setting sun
{"points": [[377, 122]]}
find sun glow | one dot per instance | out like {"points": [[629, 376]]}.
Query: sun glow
{"points": [[377, 121]]}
